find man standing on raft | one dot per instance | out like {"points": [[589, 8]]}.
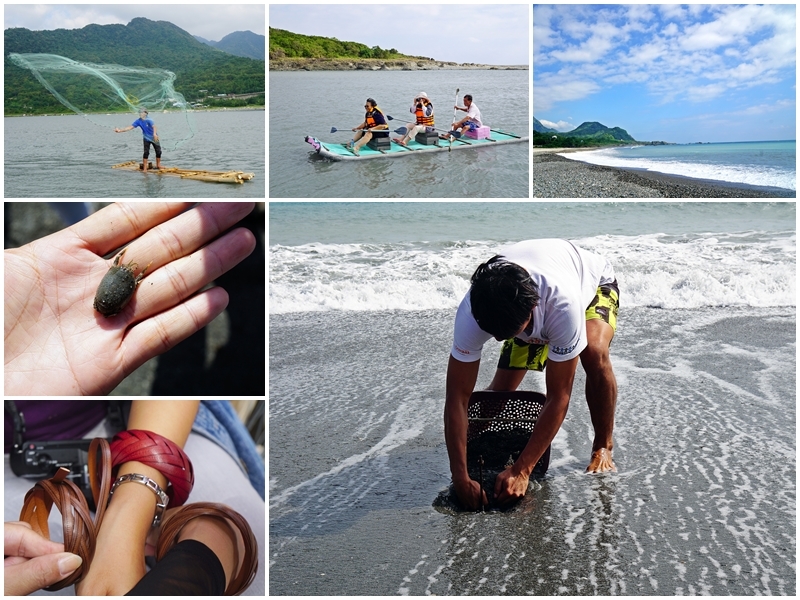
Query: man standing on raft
{"points": [[551, 303], [150, 136]]}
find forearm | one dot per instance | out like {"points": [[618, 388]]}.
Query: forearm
{"points": [[171, 419], [546, 428], [558, 378], [455, 436], [461, 378]]}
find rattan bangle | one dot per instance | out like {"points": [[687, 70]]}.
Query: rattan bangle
{"points": [[161, 454], [247, 565], [80, 533]]}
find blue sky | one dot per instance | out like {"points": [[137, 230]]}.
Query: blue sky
{"points": [[210, 21], [716, 73], [493, 34]]}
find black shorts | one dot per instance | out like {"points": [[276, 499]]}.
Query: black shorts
{"points": [[156, 145]]}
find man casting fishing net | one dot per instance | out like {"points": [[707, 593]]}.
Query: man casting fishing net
{"points": [[552, 304], [150, 135]]}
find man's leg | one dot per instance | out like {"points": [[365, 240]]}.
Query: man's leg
{"points": [[601, 393], [146, 155]]}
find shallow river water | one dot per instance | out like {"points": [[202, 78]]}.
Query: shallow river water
{"points": [[336, 99], [70, 156]]}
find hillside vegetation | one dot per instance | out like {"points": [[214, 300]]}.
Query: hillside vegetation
{"points": [[285, 44], [141, 43], [589, 134]]}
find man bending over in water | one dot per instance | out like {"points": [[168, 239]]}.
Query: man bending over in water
{"points": [[551, 304]]}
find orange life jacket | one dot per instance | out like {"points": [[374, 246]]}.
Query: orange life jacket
{"points": [[421, 118], [369, 119]]}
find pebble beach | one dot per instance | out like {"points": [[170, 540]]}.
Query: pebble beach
{"points": [[557, 177]]}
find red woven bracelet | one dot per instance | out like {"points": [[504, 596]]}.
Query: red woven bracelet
{"points": [[159, 453]]}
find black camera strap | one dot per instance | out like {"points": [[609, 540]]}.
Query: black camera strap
{"points": [[19, 422]]}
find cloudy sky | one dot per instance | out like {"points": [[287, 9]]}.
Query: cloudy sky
{"points": [[675, 73], [493, 34], [209, 21]]}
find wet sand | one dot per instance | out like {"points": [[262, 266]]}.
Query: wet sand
{"points": [[704, 501], [558, 177]]}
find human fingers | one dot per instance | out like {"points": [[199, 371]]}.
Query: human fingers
{"points": [[37, 573], [181, 278], [20, 540], [158, 334], [468, 495], [117, 224], [187, 232]]}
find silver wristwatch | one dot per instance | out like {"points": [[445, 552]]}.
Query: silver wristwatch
{"points": [[161, 503]]}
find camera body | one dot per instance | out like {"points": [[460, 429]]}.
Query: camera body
{"points": [[41, 460]]}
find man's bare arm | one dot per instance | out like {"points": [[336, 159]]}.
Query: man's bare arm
{"points": [[461, 378], [512, 483]]}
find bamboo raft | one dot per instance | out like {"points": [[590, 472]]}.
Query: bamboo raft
{"points": [[198, 174]]}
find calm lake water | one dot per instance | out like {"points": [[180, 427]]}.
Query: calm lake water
{"points": [[71, 157], [336, 99]]}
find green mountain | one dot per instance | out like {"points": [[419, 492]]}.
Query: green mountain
{"points": [[593, 129], [240, 43], [140, 43], [537, 126], [285, 44]]}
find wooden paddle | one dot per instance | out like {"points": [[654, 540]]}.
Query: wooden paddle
{"points": [[450, 147]]}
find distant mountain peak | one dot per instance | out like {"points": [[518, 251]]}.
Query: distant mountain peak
{"points": [[240, 43], [537, 126], [596, 129]]}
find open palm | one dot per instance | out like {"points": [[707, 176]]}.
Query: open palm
{"points": [[57, 344]]}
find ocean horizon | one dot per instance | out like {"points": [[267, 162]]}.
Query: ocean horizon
{"points": [[762, 163]]}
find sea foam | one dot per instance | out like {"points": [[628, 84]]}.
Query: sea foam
{"points": [[666, 271]]}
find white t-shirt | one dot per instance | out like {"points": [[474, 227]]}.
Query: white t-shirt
{"points": [[474, 113], [567, 278]]}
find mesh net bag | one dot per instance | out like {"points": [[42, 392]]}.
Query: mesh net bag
{"points": [[500, 425]]}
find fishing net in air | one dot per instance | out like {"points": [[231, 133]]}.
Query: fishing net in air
{"points": [[88, 89]]}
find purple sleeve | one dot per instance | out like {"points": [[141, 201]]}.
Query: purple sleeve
{"points": [[49, 420]]}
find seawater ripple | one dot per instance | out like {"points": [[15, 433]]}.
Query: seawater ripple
{"points": [[667, 271], [704, 503]]}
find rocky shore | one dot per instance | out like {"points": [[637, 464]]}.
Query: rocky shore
{"points": [[558, 177], [375, 64]]}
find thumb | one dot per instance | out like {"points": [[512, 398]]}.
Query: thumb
{"points": [[39, 572]]}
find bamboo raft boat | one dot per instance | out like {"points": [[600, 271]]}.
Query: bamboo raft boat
{"points": [[198, 174]]}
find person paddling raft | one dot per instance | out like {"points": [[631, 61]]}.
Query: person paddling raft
{"points": [[422, 109], [150, 136], [373, 126], [473, 119]]}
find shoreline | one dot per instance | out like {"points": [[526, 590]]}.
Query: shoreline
{"points": [[67, 114], [376, 64], [558, 177]]}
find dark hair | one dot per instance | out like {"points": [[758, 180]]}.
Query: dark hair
{"points": [[468, 97], [502, 297], [372, 102]]}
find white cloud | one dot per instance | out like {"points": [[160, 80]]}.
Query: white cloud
{"points": [[559, 126], [695, 53], [554, 90], [760, 109], [670, 30]]}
